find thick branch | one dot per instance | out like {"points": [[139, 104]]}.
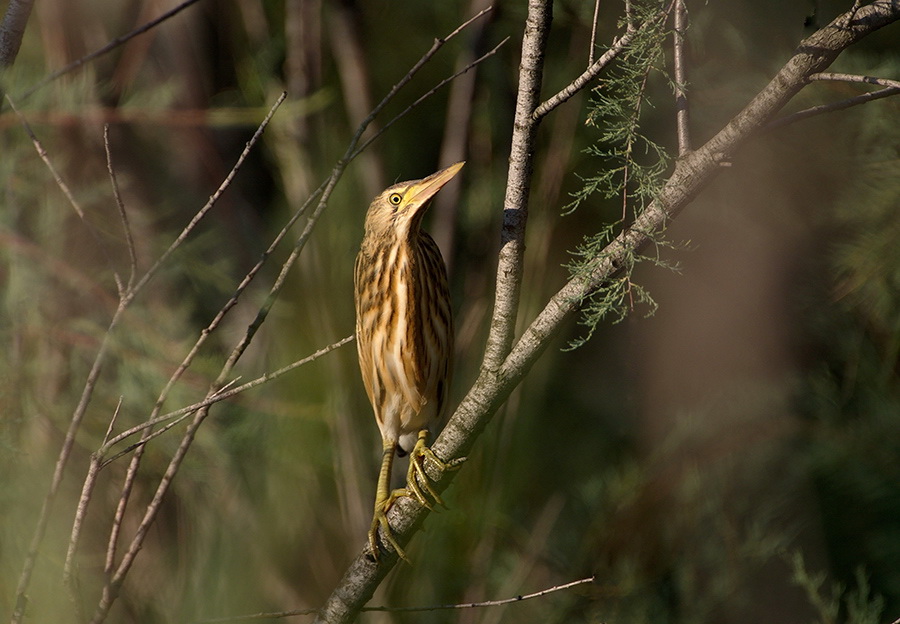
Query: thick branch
{"points": [[518, 183], [691, 174]]}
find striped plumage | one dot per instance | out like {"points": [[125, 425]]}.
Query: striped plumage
{"points": [[404, 333], [404, 330]]}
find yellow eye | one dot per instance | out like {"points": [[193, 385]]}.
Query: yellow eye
{"points": [[395, 199]]}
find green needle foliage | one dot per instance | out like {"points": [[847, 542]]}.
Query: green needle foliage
{"points": [[632, 164]]}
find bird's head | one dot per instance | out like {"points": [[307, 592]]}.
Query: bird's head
{"points": [[398, 210]]}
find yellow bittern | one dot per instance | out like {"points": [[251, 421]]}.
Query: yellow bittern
{"points": [[404, 336]]}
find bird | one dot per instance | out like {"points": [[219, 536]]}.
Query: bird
{"points": [[404, 337]]}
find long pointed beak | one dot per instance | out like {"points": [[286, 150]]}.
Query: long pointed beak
{"points": [[420, 192]]}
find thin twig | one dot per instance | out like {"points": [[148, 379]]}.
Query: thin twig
{"points": [[80, 409], [427, 95], [806, 113], [682, 117], [109, 589], [123, 216], [589, 74], [109, 47], [593, 32], [43, 155], [212, 199], [892, 87], [134, 464], [258, 616], [486, 603], [445, 607], [222, 395], [882, 82], [437, 45]]}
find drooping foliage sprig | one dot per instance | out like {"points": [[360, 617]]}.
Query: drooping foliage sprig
{"points": [[630, 164]]}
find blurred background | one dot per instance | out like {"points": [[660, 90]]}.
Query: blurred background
{"points": [[734, 457]]}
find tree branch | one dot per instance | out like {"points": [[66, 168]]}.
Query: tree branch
{"points": [[594, 70], [812, 111], [682, 117], [883, 82], [116, 573], [518, 183], [109, 47], [12, 29], [503, 370]]}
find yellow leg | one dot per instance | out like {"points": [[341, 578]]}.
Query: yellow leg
{"points": [[384, 498], [417, 474]]}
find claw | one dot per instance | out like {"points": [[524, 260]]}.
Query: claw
{"points": [[379, 519], [417, 480], [418, 486]]}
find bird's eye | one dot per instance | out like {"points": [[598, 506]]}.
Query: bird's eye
{"points": [[395, 199]]}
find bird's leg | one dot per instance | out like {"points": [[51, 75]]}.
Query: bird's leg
{"points": [[417, 472], [384, 498]]}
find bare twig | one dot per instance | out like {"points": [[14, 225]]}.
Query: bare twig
{"points": [[44, 157], [77, 415], [892, 87], [457, 136], [882, 82], [487, 603], [179, 240], [428, 94], [682, 117], [59, 470], [446, 607], [806, 113], [223, 394], [123, 216], [437, 45], [589, 74], [593, 32], [113, 582], [109, 47], [618, 45], [258, 616]]}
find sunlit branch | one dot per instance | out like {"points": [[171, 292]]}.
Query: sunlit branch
{"points": [[682, 117]]}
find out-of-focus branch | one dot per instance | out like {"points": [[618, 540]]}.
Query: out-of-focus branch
{"points": [[123, 217], [127, 296], [353, 71], [116, 573], [445, 206], [12, 29], [109, 47]]}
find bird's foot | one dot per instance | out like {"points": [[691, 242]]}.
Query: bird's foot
{"points": [[418, 483], [380, 519]]}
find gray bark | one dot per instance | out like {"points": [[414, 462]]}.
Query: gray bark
{"points": [[503, 368]]}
